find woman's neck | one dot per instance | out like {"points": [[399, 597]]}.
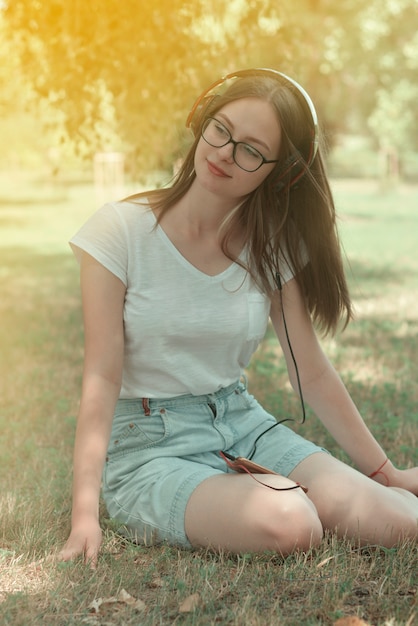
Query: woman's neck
{"points": [[203, 211]]}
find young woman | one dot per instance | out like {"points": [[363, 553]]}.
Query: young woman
{"points": [[177, 287]]}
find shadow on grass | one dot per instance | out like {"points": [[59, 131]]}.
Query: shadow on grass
{"points": [[366, 279], [376, 357], [386, 337], [30, 261]]}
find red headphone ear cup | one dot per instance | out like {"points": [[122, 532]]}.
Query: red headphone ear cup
{"points": [[293, 169], [198, 112], [296, 166]]}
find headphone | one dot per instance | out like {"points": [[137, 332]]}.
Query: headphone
{"points": [[297, 164]]}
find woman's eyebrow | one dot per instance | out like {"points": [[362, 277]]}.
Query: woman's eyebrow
{"points": [[249, 139]]}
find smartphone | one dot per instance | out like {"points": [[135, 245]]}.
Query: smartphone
{"points": [[241, 464]]}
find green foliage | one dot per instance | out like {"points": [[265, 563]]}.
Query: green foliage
{"points": [[123, 75]]}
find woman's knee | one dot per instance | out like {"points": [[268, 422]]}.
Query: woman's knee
{"points": [[365, 510], [288, 523]]}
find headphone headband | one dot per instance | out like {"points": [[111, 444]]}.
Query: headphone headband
{"points": [[201, 104]]}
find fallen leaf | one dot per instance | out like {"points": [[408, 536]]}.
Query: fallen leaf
{"points": [[124, 598], [351, 620], [190, 603]]}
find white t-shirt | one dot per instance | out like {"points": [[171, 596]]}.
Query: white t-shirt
{"points": [[185, 332]]}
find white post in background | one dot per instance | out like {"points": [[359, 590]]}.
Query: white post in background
{"points": [[109, 176], [389, 166]]}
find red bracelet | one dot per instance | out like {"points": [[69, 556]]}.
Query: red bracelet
{"points": [[379, 471]]}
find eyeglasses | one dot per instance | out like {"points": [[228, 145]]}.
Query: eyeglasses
{"points": [[245, 156]]}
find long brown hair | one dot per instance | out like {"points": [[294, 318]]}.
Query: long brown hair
{"points": [[279, 221]]}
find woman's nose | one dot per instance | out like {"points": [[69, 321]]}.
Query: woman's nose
{"points": [[226, 152]]}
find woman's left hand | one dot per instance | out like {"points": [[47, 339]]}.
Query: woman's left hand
{"points": [[404, 479]]}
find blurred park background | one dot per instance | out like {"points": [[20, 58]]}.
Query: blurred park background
{"points": [[94, 95], [101, 89]]}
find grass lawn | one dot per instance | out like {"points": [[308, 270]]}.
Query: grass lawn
{"points": [[40, 374]]}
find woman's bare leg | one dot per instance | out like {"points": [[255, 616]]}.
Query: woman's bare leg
{"points": [[354, 505], [234, 512]]}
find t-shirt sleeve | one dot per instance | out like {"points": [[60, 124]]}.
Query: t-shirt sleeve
{"points": [[287, 271], [104, 237]]}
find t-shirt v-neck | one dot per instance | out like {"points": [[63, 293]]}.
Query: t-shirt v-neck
{"points": [[188, 264]]}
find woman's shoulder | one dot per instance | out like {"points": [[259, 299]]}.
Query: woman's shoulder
{"points": [[132, 216], [129, 209], [117, 223]]}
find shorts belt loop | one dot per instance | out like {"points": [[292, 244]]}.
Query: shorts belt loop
{"points": [[145, 405]]}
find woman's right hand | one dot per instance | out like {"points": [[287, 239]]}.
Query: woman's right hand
{"points": [[85, 540], [103, 301]]}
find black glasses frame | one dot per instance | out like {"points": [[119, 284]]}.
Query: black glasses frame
{"points": [[297, 167], [235, 144]]}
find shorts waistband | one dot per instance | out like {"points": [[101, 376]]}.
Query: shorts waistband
{"points": [[189, 399]]}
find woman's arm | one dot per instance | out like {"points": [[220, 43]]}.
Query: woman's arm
{"points": [[325, 392], [103, 298]]}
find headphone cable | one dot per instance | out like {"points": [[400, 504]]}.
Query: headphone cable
{"points": [[286, 419]]}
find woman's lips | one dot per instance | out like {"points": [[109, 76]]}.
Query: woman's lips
{"points": [[217, 170]]}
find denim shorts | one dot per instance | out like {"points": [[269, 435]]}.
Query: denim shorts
{"points": [[161, 449]]}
